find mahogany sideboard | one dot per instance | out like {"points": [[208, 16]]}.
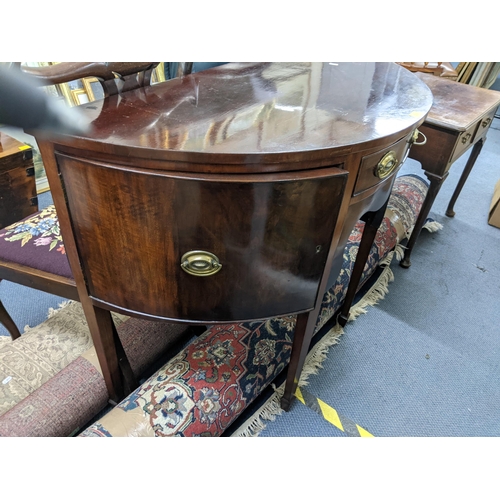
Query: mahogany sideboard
{"points": [[229, 194], [459, 120]]}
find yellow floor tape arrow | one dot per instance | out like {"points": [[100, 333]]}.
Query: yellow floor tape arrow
{"points": [[330, 414]]}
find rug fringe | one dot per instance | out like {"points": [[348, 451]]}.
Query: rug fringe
{"points": [[269, 411], [432, 226], [386, 261], [376, 293], [399, 252], [52, 311], [318, 354], [271, 408], [62, 305], [381, 287]]}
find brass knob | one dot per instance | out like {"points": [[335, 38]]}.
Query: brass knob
{"points": [[465, 138], [200, 263], [486, 122], [386, 165]]}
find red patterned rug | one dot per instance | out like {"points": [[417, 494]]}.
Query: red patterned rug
{"points": [[212, 384], [202, 390]]}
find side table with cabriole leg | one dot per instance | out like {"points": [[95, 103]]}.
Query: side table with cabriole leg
{"points": [[459, 120]]}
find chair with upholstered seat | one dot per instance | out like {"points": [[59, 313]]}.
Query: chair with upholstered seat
{"points": [[32, 252]]}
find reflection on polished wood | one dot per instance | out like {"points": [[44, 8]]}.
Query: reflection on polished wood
{"points": [[115, 77], [267, 166]]}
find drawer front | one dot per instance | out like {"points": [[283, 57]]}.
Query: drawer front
{"points": [[378, 166], [484, 125], [203, 247], [464, 141]]}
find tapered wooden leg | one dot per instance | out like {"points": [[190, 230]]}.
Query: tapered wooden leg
{"points": [[372, 223], [436, 182], [8, 322], [467, 170], [102, 330], [304, 330], [129, 380]]}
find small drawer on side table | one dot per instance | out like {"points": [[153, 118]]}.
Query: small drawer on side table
{"points": [[380, 165], [464, 141], [484, 125]]}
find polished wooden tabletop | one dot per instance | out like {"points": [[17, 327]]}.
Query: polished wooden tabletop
{"points": [[259, 112], [457, 106]]}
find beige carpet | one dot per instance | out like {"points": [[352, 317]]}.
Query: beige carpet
{"points": [[42, 351]]}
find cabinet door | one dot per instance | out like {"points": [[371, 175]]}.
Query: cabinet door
{"points": [[269, 233]]}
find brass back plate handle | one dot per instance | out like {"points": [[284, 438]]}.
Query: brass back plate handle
{"points": [[386, 165], [200, 263], [486, 122], [465, 138]]}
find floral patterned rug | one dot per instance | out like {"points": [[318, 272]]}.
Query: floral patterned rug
{"points": [[205, 388]]}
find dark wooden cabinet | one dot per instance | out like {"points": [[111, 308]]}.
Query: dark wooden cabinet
{"points": [[260, 169], [18, 197]]}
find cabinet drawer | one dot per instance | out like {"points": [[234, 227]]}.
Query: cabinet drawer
{"points": [[378, 166], [484, 125], [464, 141]]}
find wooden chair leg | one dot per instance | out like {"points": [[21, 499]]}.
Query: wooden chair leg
{"points": [[8, 322], [372, 223]]}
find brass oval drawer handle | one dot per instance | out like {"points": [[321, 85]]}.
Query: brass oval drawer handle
{"points": [[465, 138], [486, 122], [200, 263], [415, 137], [387, 165]]}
